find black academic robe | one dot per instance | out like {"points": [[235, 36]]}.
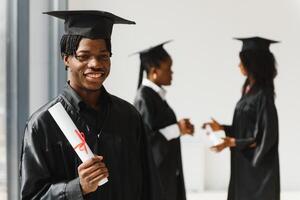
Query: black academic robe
{"points": [[157, 114], [49, 163], [254, 171]]}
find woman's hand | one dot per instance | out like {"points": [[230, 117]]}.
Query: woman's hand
{"points": [[227, 142], [185, 127], [214, 125]]}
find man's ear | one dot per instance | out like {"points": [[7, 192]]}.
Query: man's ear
{"points": [[66, 61]]}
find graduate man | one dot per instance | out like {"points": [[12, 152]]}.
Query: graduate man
{"points": [[112, 128]]}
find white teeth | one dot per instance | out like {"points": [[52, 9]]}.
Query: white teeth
{"points": [[94, 75]]}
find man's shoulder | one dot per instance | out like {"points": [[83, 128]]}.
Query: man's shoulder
{"points": [[122, 105], [42, 113]]}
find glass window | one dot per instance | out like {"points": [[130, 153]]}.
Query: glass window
{"points": [[3, 189]]}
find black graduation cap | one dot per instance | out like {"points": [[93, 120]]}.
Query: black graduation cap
{"points": [[152, 51], [256, 43], [92, 24], [151, 55]]}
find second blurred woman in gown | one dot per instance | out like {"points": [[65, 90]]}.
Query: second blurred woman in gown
{"points": [[253, 135]]}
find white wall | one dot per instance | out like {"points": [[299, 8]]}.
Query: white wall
{"points": [[207, 81]]}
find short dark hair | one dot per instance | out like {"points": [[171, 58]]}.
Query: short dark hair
{"points": [[69, 44], [261, 66]]}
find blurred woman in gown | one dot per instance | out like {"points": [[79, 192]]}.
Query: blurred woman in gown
{"points": [[253, 135], [164, 130]]}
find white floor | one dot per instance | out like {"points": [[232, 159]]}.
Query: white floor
{"points": [[222, 196], [209, 196]]}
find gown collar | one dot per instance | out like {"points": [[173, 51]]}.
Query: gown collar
{"points": [[159, 90]]}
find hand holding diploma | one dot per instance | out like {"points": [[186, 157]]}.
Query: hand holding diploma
{"points": [[214, 125], [218, 143], [227, 142], [92, 170], [213, 139]]}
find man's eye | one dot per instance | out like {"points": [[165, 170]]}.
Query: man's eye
{"points": [[82, 57], [104, 57]]}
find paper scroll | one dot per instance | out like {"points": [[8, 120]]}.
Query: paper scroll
{"points": [[73, 135], [212, 137]]}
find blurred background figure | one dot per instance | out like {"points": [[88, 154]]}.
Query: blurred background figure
{"points": [[164, 130], [253, 135]]}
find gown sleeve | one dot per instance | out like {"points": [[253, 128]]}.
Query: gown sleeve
{"points": [[36, 181], [244, 143], [170, 132], [240, 143], [227, 130], [266, 132]]}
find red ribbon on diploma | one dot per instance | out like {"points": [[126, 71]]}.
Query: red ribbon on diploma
{"points": [[81, 145]]}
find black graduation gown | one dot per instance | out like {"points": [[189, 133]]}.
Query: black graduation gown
{"points": [[49, 164], [157, 114], [254, 171]]}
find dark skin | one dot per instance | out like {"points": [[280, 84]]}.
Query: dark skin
{"points": [[216, 126], [162, 76], [91, 173], [88, 69]]}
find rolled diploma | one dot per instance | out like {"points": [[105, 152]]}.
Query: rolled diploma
{"points": [[215, 140], [72, 134]]}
